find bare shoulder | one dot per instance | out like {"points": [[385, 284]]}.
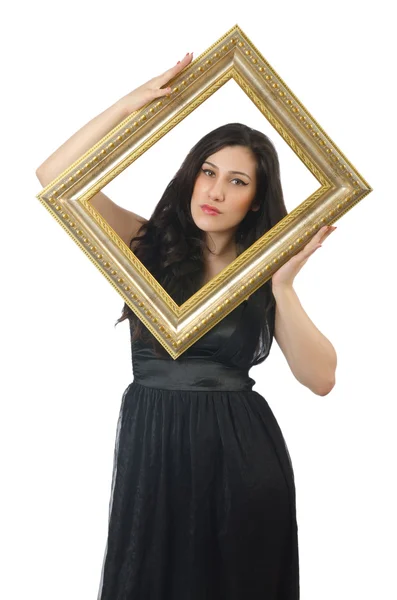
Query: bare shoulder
{"points": [[124, 222]]}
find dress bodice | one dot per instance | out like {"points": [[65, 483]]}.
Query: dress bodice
{"points": [[220, 359]]}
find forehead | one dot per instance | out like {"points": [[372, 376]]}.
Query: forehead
{"points": [[232, 158]]}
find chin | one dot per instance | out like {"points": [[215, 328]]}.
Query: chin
{"points": [[203, 227], [200, 222]]}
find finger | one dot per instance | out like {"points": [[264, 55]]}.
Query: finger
{"points": [[161, 92], [308, 250], [320, 236], [170, 73], [320, 233], [316, 239], [326, 231]]}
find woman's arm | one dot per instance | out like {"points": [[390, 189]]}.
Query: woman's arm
{"points": [[99, 126], [310, 355], [125, 223]]}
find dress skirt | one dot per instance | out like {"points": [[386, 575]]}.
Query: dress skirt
{"points": [[202, 503]]}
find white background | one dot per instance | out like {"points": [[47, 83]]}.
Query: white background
{"points": [[64, 364]]}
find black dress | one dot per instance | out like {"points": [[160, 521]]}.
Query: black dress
{"points": [[202, 503]]}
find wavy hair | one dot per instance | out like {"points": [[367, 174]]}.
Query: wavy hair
{"points": [[170, 244]]}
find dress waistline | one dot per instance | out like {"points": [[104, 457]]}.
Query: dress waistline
{"points": [[191, 374]]}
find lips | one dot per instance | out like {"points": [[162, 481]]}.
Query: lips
{"points": [[210, 210]]}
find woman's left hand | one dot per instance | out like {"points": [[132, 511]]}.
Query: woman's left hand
{"points": [[287, 273]]}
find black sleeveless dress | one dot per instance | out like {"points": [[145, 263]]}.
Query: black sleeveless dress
{"points": [[202, 503]]}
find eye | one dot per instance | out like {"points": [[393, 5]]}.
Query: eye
{"points": [[240, 182]]}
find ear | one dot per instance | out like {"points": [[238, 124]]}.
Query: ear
{"points": [[255, 208]]}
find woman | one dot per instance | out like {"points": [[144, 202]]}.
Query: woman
{"points": [[202, 501]]}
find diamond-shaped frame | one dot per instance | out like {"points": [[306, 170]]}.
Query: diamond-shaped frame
{"points": [[68, 196]]}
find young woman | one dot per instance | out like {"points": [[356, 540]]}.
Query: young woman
{"points": [[202, 503]]}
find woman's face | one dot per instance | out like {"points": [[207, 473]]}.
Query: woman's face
{"points": [[226, 182]]}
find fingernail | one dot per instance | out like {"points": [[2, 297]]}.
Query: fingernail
{"points": [[178, 62]]}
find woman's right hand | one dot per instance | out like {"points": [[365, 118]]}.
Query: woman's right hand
{"points": [[153, 88]]}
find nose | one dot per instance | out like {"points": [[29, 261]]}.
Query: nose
{"points": [[216, 191]]}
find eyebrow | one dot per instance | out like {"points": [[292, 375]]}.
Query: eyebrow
{"points": [[234, 172]]}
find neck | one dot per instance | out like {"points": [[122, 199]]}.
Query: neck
{"points": [[220, 246]]}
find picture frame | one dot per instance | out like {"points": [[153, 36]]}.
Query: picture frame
{"points": [[67, 198]]}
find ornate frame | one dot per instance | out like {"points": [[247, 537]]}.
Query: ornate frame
{"points": [[68, 196]]}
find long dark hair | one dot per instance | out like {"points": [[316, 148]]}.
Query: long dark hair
{"points": [[170, 244]]}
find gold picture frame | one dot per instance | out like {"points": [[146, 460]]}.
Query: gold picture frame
{"points": [[67, 198]]}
